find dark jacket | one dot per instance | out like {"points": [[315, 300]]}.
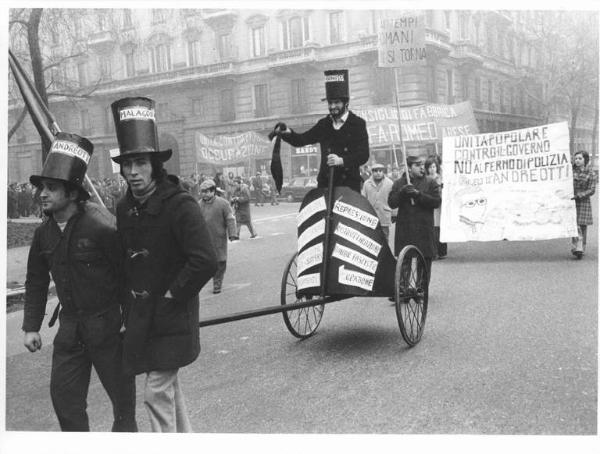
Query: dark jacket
{"points": [[350, 142], [414, 224], [166, 246], [83, 260]]}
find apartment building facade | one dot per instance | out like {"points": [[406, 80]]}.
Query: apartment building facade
{"points": [[227, 71]]}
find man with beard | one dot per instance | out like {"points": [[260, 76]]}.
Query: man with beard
{"points": [[377, 189], [342, 135], [415, 203], [221, 225], [77, 245], [168, 258]]}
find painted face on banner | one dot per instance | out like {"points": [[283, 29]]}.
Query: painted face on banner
{"points": [[138, 173]]}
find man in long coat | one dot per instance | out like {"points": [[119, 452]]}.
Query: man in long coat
{"points": [[415, 203], [376, 189], [342, 135], [240, 200], [168, 258], [221, 225]]}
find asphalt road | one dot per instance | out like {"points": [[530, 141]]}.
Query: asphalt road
{"points": [[510, 347]]}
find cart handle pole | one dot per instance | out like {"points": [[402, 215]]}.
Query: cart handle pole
{"points": [[269, 310]]}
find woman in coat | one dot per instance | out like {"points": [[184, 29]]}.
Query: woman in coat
{"points": [[240, 200], [584, 186]]}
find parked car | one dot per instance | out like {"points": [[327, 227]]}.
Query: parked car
{"points": [[297, 188]]}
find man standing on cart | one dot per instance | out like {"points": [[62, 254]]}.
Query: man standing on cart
{"points": [[342, 135]]}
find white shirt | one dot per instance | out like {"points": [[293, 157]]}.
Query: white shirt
{"points": [[337, 124]]}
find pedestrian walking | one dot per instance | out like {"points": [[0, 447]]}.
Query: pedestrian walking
{"points": [[342, 135], [584, 186], [257, 188], [240, 200], [432, 170], [415, 202], [168, 258], [377, 190], [221, 224], [76, 244]]}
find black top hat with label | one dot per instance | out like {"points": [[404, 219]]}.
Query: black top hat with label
{"points": [[135, 123], [336, 84], [67, 161]]}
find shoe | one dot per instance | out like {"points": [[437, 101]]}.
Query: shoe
{"points": [[253, 236], [578, 255], [216, 290]]}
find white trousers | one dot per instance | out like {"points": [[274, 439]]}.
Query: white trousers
{"points": [[165, 402]]}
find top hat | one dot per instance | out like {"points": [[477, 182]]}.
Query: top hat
{"points": [[136, 129], [67, 161], [336, 84]]}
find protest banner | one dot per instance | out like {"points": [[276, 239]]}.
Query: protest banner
{"points": [[513, 185], [402, 41], [425, 123], [224, 150]]}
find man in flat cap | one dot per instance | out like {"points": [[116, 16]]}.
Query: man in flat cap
{"points": [[168, 257], [415, 202], [77, 245], [342, 135], [376, 189], [221, 225]]}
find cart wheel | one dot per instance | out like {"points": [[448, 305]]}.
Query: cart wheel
{"points": [[302, 323], [411, 294]]}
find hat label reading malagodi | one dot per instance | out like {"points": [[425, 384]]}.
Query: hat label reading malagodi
{"points": [[334, 78], [70, 149], [136, 113]]}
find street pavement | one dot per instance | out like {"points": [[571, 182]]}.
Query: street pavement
{"points": [[510, 347]]}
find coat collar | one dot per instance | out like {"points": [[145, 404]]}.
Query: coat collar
{"points": [[164, 190]]}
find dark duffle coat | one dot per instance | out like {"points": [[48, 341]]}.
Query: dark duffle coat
{"points": [[350, 142], [166, 246], [414, 224]]}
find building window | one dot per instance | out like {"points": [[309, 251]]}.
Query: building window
{"points": [[336, 27], [160, 58], [78, 27], [432, 83], [258, 41], [193, 53], [82, 74], [260, 100], [129, 64], [490, 41], [101, 21], [298, 96], [465, 87], [227, 105], [158, 16], [84, 119], [105, 68], [109, 122], [447, 17], [450, 86], [162, 111], [384, 85], [295, 32], [224, 46], [501, 97], [463, 26], [478, 92], [429, 17], [490, 95], [127, 22], [513, 106], [197, 107]]}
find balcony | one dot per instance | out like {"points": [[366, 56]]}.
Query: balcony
{"points": [[437, 42], [220, 19], [467, 53], [299, 55], [101, 41]]}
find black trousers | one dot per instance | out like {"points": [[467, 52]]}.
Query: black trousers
{"points": [[81, 343]]}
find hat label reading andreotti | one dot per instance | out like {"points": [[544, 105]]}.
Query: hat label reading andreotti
{"points": [[334, 78], [136, 113], [70, 149]]}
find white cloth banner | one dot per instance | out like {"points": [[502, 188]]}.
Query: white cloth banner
{"points": [[513, 185]]}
